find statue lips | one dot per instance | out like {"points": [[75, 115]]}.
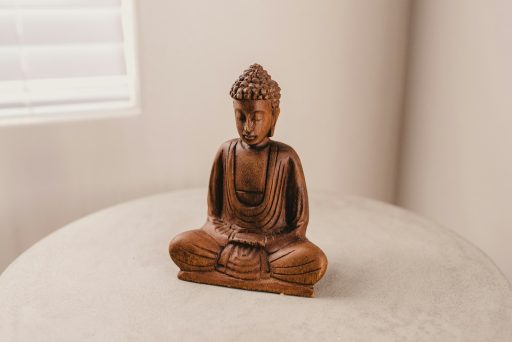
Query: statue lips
{"points": [[249, 137]]}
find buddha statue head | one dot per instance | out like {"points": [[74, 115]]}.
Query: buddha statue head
{"points": [[256, 104]]}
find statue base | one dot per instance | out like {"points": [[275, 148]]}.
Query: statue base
{"points": [[264, 285]]}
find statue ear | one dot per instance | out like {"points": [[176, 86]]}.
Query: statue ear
{"points": [[275, 116]]}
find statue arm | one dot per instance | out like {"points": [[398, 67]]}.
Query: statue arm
{"points": [[215, 226], [215, 186], [297, 199], [297, 207]]}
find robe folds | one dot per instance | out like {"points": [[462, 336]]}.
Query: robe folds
{"points": [[284, 207], [257, 240]]}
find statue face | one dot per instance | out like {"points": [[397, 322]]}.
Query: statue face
{"points": [[254, 119]]}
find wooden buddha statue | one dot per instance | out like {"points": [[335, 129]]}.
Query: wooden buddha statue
{"points": [[254, 236]]}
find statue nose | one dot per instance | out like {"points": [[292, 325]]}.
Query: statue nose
{"points": [[248, 126]]}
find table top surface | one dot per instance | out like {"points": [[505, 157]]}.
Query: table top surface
{"points": [[392, 276]]}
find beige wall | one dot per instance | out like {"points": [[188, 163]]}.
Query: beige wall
{"points": [[457, 148], [340, 65]]}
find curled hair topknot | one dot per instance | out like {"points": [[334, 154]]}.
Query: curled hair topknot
{"points": [[256, 84]]}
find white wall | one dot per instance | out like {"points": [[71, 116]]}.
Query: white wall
{"points": [[340, 65], [457, 150]]}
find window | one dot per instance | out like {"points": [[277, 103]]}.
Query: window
{"points": [[67, 58]]}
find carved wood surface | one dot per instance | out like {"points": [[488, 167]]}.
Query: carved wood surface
{"points": [[255, 234]]}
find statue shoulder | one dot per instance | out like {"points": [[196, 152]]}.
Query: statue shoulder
{"points": [[224, 147], [287, 150]]}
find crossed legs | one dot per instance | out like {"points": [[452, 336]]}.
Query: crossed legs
{"points": [[301, 262]]}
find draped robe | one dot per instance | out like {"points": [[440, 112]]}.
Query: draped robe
{"points": [[284, 207], [254, 240]]}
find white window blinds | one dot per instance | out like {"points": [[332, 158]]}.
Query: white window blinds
{"points": [[66, 57]]}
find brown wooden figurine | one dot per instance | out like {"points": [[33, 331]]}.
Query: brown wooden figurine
{"points": [[255, 234]]}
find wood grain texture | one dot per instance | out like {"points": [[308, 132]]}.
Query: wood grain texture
{"points": [[255, 234]]}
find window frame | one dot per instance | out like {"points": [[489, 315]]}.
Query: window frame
{"points": [[95, 111]]}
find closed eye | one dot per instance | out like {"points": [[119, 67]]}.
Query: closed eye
{"points": [[240, 116], [258, 117]]}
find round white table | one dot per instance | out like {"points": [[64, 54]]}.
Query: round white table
{"points": [[392, 276]]}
